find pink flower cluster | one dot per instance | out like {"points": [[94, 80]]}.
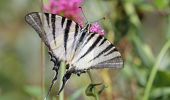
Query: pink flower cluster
{"points": [[97, 28], [70, 9]]}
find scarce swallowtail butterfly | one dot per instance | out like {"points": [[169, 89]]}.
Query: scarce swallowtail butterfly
{"points": [[80, 49]]}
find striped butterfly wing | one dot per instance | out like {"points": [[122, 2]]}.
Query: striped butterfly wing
{"points": [[97, 52], [67, 41], [57, 32]]}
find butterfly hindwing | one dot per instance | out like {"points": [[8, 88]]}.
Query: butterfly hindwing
{"points": [[97, 52]]}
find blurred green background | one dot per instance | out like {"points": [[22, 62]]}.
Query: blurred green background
{"points": [[139, 28]]}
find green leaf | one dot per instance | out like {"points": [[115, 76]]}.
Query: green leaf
{"points": [[161, 4], [162, 79], [160, 93], [90, 90]]}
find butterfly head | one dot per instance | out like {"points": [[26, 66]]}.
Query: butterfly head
{"points": [[87, 27]]}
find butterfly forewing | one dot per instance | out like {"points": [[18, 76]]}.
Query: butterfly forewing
{"points": [[57, 32]]}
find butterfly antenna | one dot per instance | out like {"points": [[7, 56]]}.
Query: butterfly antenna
{"points": [[103, 18], [83, 14]]}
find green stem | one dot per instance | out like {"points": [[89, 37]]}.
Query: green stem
{"points": [[42, 67], [90, 76], [154, 70], [61, 96], [91, 79], [96, 96]]}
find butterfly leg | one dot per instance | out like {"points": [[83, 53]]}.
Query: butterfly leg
{"points": [[65, 78]]}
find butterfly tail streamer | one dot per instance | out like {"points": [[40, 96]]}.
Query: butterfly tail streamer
{"points": [[55, 68], [52, 83], [65, 78]]}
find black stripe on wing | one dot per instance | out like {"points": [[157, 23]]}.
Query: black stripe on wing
{"points": [[76, 30], [62, 21], [67, 29], [35, 21], [105, 50], [53, 19], [92, 46], [80, 39], [84, 32], [88, 39], [103, 41], [47, 18], [40, 22], [116, 62], [111, 51], [75, 34]]}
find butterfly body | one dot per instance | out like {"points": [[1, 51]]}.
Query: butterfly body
{"points": [[79, 48]]}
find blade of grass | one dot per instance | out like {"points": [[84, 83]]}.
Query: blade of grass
{"points": [[42, 67], [154, 70], [42, 61]]}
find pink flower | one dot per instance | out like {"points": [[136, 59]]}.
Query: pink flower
{"points": [[68, 8], [52, 8], [97, 29]]}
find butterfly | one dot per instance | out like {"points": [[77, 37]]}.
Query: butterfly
{"points": [[79, 48]]}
